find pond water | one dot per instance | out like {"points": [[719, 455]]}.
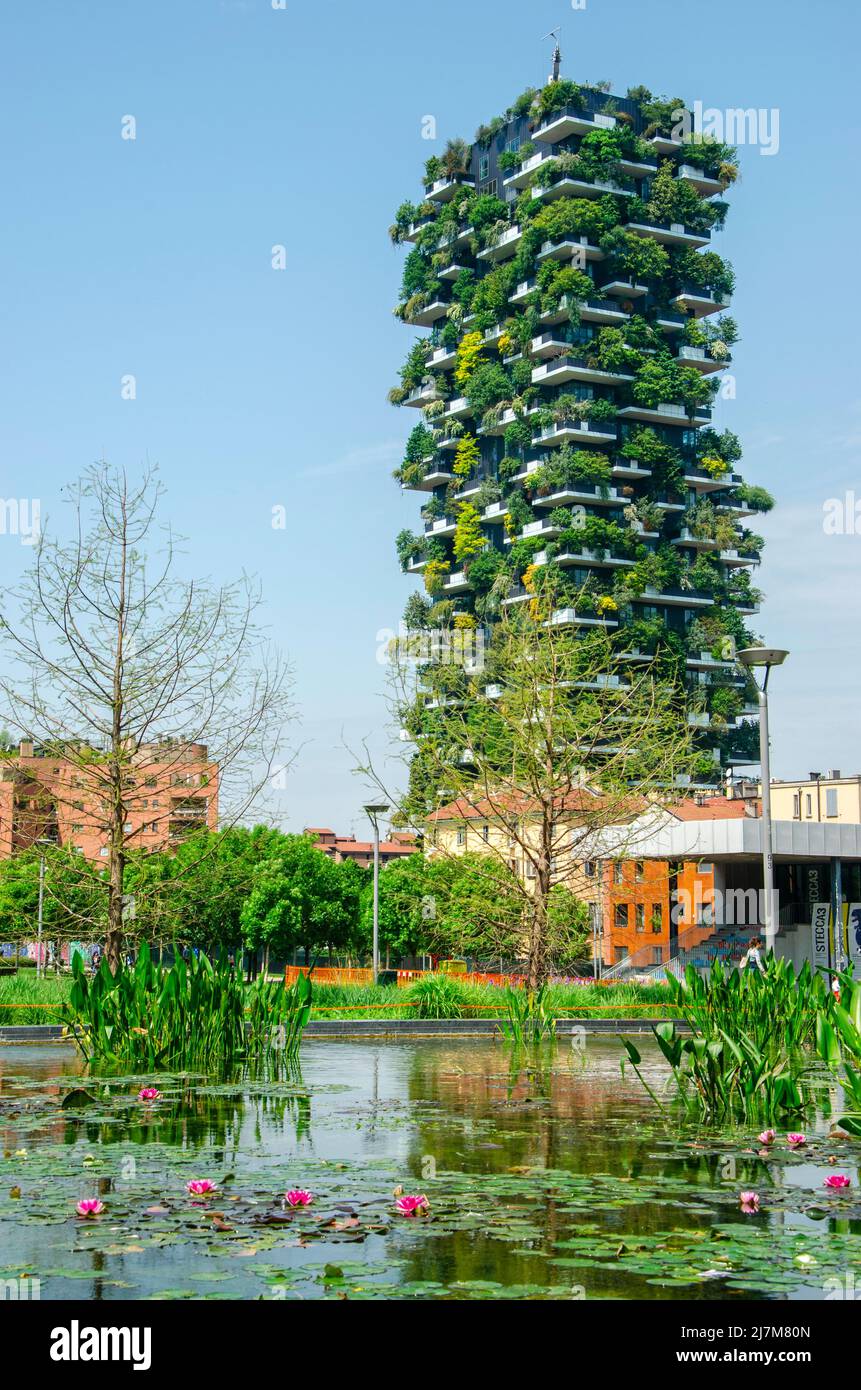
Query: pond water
{"points": [[549, 1175]]}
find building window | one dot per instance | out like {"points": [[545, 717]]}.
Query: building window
{"points": [[618, 872], [461, 836], [622, 915], [513, 145], [639, 871], [589, 868], [831, 801], [104, 851], [484, 166], [485, 833], [657, 918], [796, 806], [490, 186], [640, 916], [808, 799]]}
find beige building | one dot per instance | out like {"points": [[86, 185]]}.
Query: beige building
{"points": [[819, 797]]}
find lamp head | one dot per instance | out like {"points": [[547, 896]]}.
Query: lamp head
{"points": [[762, 656]]}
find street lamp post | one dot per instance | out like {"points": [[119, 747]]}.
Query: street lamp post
{"points": [[373, 811], [766, 657]]}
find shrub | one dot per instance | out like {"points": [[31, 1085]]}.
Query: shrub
{"points": [[437, 996]]}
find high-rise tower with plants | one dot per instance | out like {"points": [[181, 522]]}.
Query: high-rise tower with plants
{"points": [[578, 330]]}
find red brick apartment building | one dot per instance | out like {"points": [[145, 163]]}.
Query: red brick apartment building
{"points": [[343, 847], [171, 789]]}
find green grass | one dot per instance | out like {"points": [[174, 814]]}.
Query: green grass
{"points": [[488, 1001], [37, 994], [363, 1001]]}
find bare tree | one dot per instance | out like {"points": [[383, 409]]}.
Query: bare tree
{"points": [[554, 736], [131, 675]]}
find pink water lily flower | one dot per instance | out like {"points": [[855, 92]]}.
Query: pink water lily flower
{"points": [[298, 1197], [796, 1140], [90, 1207], [768, 1136], [412, 1206], [749, 1202], [201, 1187], [837, 1180], [149, 1093]]}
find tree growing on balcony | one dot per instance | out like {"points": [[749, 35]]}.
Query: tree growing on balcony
{"points": [[553, 741], [118, 667]]}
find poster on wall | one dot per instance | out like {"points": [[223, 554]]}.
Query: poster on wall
{"points": [[820, 951], [853, 934]]}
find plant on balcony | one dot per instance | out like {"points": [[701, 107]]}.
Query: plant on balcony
{"points": [[704, 271], [614, 354], [467, 456], [726, 702], [661, 117], [468, 357], [404, 218], [632, 257], [489, 385], [408, 545], [469, 539], [455, 158], [556, 96], [757, 498], [435, 574]]}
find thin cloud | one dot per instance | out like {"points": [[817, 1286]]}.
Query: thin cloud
{"points": [[374, 456]]}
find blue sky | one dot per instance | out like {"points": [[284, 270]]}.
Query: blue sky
{"points": [[302, 127]]}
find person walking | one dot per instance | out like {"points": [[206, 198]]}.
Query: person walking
{"points": [[752, 958]]}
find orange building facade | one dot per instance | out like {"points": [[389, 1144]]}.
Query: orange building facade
{"points": [[170, 789]]}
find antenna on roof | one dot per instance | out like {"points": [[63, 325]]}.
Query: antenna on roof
{"points": [[557, 54]]}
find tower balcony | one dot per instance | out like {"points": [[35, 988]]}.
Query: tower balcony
{"points": [[571, 122], [438, 474], [587, 559], [443, 190], [667, 413], [703, 481], [567, 186], [691, 541], [442, 358], [584, 432], [443, 526], [697, 357], [415, 564], [457, 583], [504, 246], [570, 368], [427, 317], [670, 233], [677, 597], [423, 395], [520, 178], [415, 229], [701, 302], [494, 512], [575, 494], [735, 559], [625, 289], [702, 182], [666, 144], [570, 248]]}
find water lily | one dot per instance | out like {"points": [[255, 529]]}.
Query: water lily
{"points": [[796, 1140], [749, 1202], [411, 1206], [201, 1187], [149, 1093], [90, 1207], [837, 1180], [768, 1136], [298, 1197]]}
